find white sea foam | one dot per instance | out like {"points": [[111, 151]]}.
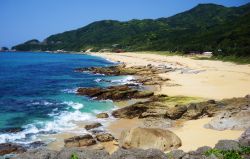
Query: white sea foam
{"points": [[98, 80], [74, 105], [70, 91], [126, 80], [65, 121]]}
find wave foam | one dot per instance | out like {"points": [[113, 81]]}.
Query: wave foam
{"points": [[74, 105]]}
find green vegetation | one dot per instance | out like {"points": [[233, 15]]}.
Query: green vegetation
{"points": [[74, 156], [231, 154], [207, 27], [229, 58], [172, 101]]}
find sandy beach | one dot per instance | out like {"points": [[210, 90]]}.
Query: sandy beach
{"points": [[205, 79]]}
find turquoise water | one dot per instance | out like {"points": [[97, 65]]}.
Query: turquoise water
{"points": [[38, 93]]}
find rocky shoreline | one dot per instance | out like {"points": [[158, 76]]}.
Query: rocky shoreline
{"points": [[229, 114]]}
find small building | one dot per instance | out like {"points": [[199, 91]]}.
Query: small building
{"points": [[207, 53]]}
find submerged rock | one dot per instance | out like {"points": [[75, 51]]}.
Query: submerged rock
{"points": [[92, 126], [102, 115], [80, 141], [146, 138]]}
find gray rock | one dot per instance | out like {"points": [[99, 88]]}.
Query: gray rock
{"points": [[176, 154], [227, 145], [138, 154], [233, 120], [203, 150], [38, 154], [82, 154], [244, 140]]}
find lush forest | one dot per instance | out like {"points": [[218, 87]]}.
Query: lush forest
{"points": [[206, 27]]}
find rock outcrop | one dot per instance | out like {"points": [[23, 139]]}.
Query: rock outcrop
{"points": [[156, 107], [145, 138], [147, 75], [7, 148], [80, 141], [105, 137], [115, 93], [92, 126]]}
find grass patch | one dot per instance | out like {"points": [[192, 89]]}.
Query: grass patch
{"points": [[181, 100], [74, 156], [230, 154]]}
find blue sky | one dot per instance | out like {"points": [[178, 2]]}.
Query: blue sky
{"points": [[22, 20]]}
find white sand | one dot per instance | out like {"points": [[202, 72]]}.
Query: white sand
{"points": [[194, 135]]}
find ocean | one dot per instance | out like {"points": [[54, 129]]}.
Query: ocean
{"points": [[38, 94]]}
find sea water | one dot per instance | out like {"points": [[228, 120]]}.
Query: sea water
{"points": [[38, 93]]}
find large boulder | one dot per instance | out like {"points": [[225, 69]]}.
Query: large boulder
{"points": [[92, 126], [79, 141], [138, 154], [233, 120], [7, 148], [146, 138]]}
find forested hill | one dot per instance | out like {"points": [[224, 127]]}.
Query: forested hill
{"points": [[206, 27]]}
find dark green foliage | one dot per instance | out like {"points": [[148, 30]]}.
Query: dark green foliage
{"points": [[207, 27], [74, 156], [4, 49], [230, 154]]}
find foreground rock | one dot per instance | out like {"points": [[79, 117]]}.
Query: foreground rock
{"points": [[80, 153], [7, 148], [244, 140], [138, 154], [114, 93], [92, 126], [145, 138], [80, 141]]}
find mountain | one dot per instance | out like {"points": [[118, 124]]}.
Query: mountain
{"points": [[206, 27]]}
